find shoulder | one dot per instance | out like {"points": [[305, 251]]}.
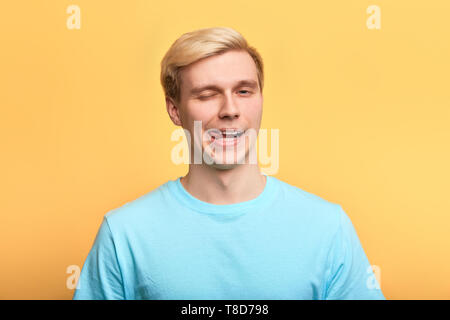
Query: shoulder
{"points": [[315, 209], [139, 210]]}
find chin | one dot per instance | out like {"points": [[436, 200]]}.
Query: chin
{"points": [[224, 166]]}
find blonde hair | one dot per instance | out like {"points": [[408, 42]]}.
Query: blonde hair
{"points": [[199, 44]]}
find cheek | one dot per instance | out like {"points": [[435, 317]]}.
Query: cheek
{"points": [[200, 112], [253, 110], [197, 113]]}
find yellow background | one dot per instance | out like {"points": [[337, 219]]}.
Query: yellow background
{"points": [[363, 118]]}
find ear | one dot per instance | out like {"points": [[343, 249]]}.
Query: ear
{"points": [[173, 111]]}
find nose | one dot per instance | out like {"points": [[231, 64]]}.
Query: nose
{"points": [[229, 108]]}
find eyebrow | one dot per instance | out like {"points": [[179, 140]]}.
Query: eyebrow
{"points": [[242, 83]]}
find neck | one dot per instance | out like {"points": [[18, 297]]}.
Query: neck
{"points": [[241, 183]]}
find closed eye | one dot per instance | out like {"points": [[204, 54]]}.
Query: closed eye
{"points": [[206, 96]]}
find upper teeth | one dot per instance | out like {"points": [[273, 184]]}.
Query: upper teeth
{"points": [[232, 133]]}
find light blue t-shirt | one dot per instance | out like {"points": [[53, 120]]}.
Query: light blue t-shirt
{"points": [[284, 244]]}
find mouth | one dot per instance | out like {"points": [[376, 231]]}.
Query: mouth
{"points": [[226, 137]]}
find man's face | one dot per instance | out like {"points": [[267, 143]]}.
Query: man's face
{"points": [[222, 92]]}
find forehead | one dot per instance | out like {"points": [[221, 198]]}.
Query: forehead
{"points": [[224, 69]]}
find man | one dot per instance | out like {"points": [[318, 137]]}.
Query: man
{"points": [[224, 231]]}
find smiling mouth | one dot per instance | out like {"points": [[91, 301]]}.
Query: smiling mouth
{"points": [[226, 134]]}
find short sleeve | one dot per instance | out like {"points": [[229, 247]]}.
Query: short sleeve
{"points": [[100, 277], [350, 275]]}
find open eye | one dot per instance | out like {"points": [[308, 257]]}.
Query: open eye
{"points": [[245, 92]]}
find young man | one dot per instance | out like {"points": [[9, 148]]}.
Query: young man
{"points": [[224, 231]]}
